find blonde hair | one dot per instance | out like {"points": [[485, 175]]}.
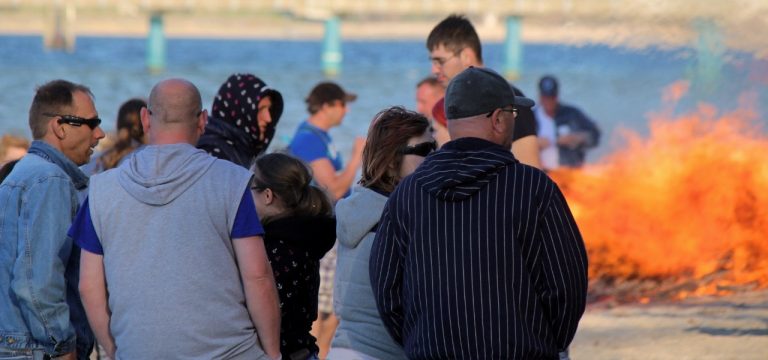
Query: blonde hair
{"points": [[9, 141]]}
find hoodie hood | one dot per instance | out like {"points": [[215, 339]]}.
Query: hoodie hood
{"points": [[357, 214], [461, 168], [225, 141], [237, 103], [158, 174]]}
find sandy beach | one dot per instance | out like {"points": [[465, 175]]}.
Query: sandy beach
{"points": [[732, 327]]}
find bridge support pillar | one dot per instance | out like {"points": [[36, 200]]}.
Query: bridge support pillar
{"points": [[710, 50], [513, 49], [331, 58], [60, 35], [156, 44]]}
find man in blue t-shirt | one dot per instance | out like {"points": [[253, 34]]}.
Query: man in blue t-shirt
{"points": [[327, 105], [174, 264]]}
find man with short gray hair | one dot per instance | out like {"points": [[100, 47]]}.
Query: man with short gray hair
{"points": [[476, 255], [40, 310], [174, 263]]}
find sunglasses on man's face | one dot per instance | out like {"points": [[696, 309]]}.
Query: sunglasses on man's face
{"points": [[76, 120], [422, 149]]}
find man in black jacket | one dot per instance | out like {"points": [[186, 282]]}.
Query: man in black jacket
{"points": [[565, 133], [478, 256]]}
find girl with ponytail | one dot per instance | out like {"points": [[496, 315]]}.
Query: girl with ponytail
{"points": [[299, 229], [130, 136]]}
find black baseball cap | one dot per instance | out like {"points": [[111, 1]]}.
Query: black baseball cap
{"points": [[548, 85], [477, 91]]}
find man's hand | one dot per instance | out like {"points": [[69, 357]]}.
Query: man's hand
{"points": [[357, 149], [572, 140]]}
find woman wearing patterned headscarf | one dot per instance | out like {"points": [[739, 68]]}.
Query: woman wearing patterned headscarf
{"points": [[243, 118]]}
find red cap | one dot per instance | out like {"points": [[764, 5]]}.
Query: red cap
{"points": [[438, 112]]}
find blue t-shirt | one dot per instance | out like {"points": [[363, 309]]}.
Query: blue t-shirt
{"points": [[311, 143], [246, 224]]}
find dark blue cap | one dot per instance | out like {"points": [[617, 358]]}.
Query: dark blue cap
{"points": [[477, 91]]}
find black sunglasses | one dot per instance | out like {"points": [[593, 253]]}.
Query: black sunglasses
{"points": [[76, 120], [422, 149]]}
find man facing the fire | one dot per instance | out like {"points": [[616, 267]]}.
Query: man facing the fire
{"points": [[476, 255]]}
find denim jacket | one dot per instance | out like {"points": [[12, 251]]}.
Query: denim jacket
{"points": [[39, 263]]}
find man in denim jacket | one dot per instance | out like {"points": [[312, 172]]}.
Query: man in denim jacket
{"points": [[42, 316]]}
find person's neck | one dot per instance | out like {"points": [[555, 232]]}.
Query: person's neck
{"points": [[471, 128], [320, 121], [51, 140], [550, 111], [170, 139]]}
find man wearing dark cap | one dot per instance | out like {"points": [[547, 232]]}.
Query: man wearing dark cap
{"points": [[327, 105], [477, 256], [565, 133]]}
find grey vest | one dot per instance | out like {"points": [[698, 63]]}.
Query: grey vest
{"points": [[174, 286]]}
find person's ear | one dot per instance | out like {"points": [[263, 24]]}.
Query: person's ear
{"points": [[145, 114], [57, 129], [497, 123], [269, 196], [467, 57], [202, 120]]}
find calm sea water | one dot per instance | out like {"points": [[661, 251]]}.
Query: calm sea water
{"points": [[617, 87]]}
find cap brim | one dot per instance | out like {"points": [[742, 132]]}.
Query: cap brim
{"points": [[524, 101], [350, 97]]}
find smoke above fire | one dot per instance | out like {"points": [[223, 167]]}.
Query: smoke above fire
{"points": [[683, 211]]}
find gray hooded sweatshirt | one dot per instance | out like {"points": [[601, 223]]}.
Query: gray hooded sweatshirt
{"points": [[164, 219], [360, 327]]}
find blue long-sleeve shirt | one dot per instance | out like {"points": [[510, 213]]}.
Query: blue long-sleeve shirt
{"points": [[478, 256]]}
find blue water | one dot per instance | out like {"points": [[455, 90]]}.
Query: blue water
{"points": [[617, 87]]}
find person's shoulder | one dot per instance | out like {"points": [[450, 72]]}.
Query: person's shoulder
{"points": [[527, 174], [568, 109], [222, 166], [33, 166]]}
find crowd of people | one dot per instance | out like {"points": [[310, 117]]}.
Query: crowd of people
{"points": [[187, 238]]}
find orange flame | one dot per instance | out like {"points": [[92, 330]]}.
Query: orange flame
{"points": [[688, 203]]}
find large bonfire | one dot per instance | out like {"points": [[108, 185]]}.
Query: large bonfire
{"points": [[683, 212]]}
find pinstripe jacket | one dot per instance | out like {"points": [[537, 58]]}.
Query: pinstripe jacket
{"points": [[478, 257]]}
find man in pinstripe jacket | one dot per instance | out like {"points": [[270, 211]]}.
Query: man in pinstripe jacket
{"points": [[477, 256]]}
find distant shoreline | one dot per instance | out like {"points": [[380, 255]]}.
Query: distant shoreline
{"points": [[533, 30]]}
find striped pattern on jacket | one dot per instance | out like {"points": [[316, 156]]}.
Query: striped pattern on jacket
{"points": [[478, 257]]}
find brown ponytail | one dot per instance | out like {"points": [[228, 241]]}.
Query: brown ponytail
{"points": [[291, 181], [129, 133]]}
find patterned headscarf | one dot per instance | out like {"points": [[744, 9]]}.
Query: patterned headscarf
{"points": [[237, 103]]}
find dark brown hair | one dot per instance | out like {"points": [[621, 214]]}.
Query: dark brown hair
{"points": [[387, 137], [54, 97], [130, 133], [6, 169], [455, 33], [290, 180]]}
